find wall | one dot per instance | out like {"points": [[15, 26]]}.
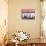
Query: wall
{"points": [[15, 21]]}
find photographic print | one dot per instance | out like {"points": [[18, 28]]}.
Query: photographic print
{"points": [[28, 14]]}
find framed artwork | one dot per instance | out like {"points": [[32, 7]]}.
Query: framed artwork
{"points": [[28, 13]]}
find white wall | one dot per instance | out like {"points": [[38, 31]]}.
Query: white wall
{"points": [[16, 23]]}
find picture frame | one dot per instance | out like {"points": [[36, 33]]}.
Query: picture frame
{"points": [[28, 14]]}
